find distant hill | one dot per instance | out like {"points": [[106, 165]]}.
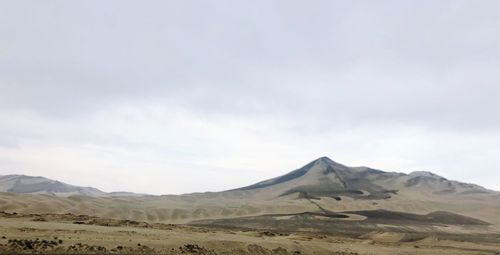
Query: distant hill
{"points": [[25, 184]]}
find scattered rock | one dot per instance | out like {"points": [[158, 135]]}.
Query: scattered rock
{"points": [[270, 234], [196, 249], [85, 248], [37, 244]]}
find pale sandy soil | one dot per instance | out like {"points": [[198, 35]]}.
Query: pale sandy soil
{"points": [[176, 239]]}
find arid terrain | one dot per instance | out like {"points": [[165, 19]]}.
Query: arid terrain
{"points": [[68, 233], [260, 127], [321, 208]]}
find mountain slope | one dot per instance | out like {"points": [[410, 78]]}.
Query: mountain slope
{"points": [[42, 185], [325, 178]]}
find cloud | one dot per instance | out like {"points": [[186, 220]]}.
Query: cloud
{"points": [[151, 148], [257, 88]]}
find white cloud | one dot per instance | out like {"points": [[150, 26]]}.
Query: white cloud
{"points": [[162, 96], [160, 150]]}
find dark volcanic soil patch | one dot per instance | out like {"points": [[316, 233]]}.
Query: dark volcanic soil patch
{"points": [[331, 223], [440, 217]]}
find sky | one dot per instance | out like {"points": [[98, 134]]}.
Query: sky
{"points": [[171, 97]]}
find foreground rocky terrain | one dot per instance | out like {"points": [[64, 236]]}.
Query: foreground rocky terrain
{"points": [[321, 208], [83, 234]]}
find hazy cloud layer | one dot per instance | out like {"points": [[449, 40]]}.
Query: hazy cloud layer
{"points": [[131, 96]]}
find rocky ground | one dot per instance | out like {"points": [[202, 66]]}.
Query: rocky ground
{"points": [[82, 234]]}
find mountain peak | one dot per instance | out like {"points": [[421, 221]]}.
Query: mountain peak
{"points": [[324, 158], [327, 161], [310, 173]]}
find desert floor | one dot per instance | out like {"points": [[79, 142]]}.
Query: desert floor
{"points": [[68, 233]]}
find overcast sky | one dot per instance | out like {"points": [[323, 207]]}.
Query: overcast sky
{"points": [[186, 96]]}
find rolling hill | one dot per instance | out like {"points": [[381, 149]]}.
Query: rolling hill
{"points": [[321, 188]]}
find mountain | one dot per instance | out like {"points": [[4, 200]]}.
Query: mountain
{"points": [[24, 184], [333, 198], [322, 177], [320, 188], [42, 185], [326, 178]]}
